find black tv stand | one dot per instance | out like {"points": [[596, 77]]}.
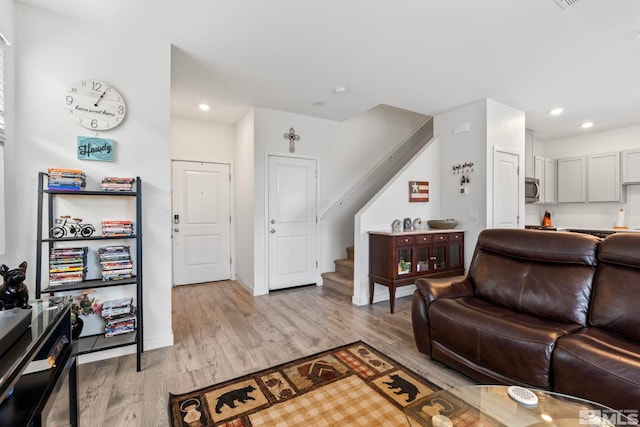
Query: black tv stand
{"points": [[29, 386]]}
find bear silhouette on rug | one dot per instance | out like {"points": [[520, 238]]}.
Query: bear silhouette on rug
{"points": [[13, 292], [405, 387], [228, 398]]}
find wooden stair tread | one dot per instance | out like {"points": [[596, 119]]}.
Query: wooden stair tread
{"points": [[338, 278]]}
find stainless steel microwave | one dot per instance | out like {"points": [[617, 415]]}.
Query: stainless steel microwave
{"points": [[531, 190]]}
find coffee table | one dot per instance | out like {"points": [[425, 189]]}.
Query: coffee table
{"points": [[492, 406]]}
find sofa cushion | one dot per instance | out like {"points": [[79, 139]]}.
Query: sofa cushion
{"points": [[513, 344], [536, 272], [598, 365], [617, 286]]}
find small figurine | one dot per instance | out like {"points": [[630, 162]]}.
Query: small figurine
{"points": [[13, 292]]}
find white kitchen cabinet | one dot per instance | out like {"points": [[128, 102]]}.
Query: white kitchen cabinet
{"points": [[545, 171], [603, 172], [593, 178], [528, 154], [549, 181], [572, 179], [631, 166]]}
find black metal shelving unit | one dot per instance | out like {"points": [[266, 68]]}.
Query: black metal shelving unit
{"points": [[91, 343]]}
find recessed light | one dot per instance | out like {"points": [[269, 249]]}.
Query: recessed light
{"points": [[204, 107], [556, 111], [340, 90], [587, 125]]}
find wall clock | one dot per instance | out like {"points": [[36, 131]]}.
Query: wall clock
{"points": [[95, 105]]}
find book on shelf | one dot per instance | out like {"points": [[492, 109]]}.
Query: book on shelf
{"points": [[66, 179], [115, 262], [119, 317], [115, 184], [114, 228], [67, 266]]}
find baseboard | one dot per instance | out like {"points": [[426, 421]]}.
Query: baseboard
{"points": [[380, 296], [149, 344]]}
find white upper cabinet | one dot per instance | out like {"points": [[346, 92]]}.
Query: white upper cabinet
{"points": [[594, 178], [549, 181], [572, 179], [631, 166], [604, 177], [528, 154]]}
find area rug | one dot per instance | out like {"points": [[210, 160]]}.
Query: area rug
{"points": [[351, 385]]}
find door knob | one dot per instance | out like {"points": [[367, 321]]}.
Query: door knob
{"points": [[176, 230], [273, 221], [273, 230]]}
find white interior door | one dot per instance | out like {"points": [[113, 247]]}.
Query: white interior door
{"points": [[201, 222], [506, 189], [292, 222]]}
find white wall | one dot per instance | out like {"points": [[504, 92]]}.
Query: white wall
{"points": [[491, 124], [505, 130], [8, 216], [458, 149], [52, 53], [194, 140], [244, 190], [392, 202], [317, 141], [595, 215]]}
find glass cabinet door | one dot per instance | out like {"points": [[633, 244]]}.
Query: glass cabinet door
{"points": [[440, 255], [455, 255], [404, 256], [423, 261]]}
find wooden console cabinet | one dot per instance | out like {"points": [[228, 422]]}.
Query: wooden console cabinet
{"points": [[398, 259]]}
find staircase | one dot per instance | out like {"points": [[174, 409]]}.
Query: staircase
{"points": [[341, 280]]}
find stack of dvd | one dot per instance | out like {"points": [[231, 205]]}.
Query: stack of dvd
{"points": [[115, 262], [66, 179], [115, 184], [67, 266], [119, 316], [117, 228]]}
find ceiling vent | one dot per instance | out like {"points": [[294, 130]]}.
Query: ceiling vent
{"points": [[565, 3]]}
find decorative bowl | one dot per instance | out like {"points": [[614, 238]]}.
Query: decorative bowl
{"points": [[443, 223]]}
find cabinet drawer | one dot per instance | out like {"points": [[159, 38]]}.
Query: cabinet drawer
{"points": [[455, 236], [424, 238], [404, 240], [440, 237]]}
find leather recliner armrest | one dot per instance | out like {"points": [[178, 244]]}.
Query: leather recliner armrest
{"points": [[452, 287], [429, 290]]}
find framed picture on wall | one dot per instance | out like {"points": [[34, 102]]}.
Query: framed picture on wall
{"points": [[418, 191]]}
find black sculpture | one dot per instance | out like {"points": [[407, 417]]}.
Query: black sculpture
{"points": [[13, 292]]}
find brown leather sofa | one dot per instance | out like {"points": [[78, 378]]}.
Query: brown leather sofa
{"points": [[549, 310]]}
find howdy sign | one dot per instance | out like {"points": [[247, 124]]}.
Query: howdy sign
{"points": [[100, 149]]}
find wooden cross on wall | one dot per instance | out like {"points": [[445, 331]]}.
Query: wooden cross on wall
{"points": [[292, 137]]}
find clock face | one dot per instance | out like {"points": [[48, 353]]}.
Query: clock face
{"points": [[94, 105]]}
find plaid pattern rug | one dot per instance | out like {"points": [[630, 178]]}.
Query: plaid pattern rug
{"points": [[352, 385]]}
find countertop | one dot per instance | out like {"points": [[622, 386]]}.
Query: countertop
{"points": [[589, 228], [418, 231]]}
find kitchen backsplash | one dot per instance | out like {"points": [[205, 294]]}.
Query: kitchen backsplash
{"points": [[588, 215]]}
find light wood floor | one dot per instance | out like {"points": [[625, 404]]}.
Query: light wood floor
{"points": [[221, 332]]}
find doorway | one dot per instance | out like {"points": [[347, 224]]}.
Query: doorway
{"points": [[201, 229], [506, 188], [292, 222]]}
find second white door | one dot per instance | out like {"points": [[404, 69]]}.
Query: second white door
{"points": [[506, 199], [201, 222], [292, 221]]}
